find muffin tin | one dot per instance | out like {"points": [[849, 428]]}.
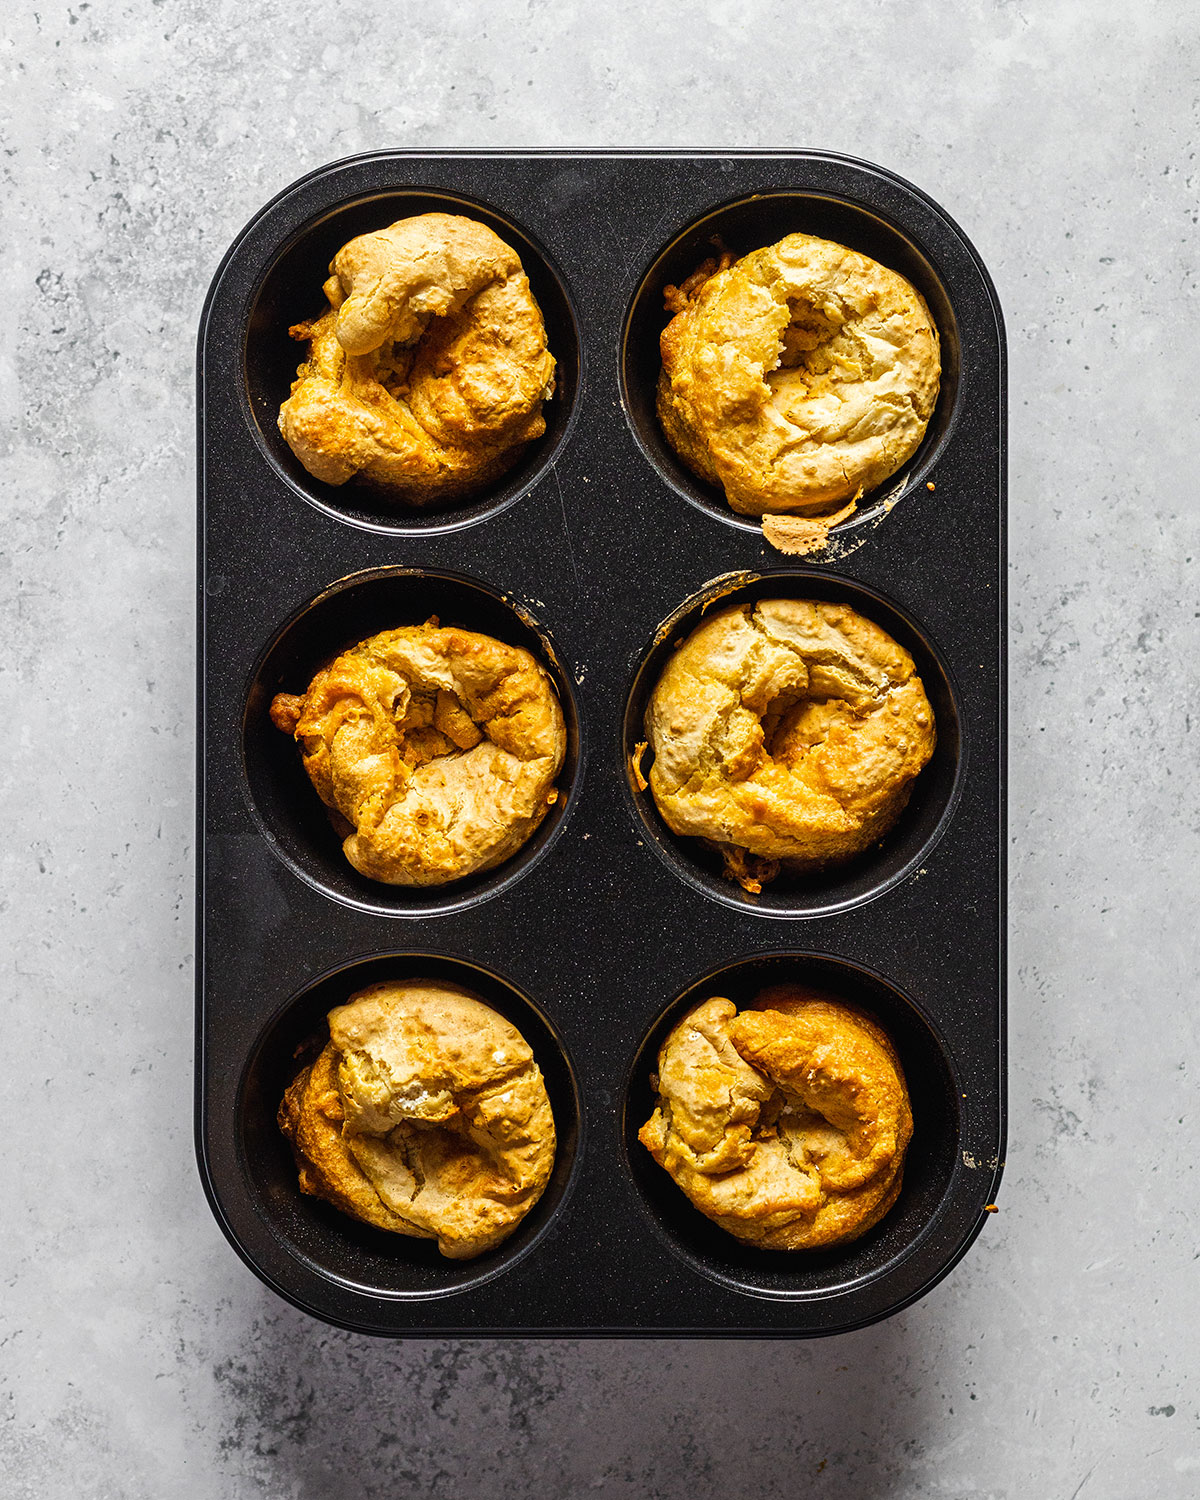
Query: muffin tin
{"points": [[598, 551]]}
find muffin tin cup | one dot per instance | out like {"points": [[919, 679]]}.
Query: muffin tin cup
{"points": [[930, 1166], [330, 1244], [289, 291], [602, 929], [921, 823], [747, 224], [294, 821]]}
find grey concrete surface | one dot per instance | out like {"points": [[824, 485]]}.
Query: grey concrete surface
{"points": [[138, 1358]]}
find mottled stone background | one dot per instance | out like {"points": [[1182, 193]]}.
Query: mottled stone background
{"points": [[138, 1358]]}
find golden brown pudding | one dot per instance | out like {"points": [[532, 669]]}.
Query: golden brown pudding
{"points": [[437, 747], [797, 379], [788, 733], [426, 1114], [426, 373], [785, 1123]]}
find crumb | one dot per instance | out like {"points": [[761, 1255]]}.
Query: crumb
{"points": [[676, 298], [635, 765], [286, 711], [797, 535], [749, 870]]}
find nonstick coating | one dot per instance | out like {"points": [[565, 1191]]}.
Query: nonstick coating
{"points": [[595, 552]]}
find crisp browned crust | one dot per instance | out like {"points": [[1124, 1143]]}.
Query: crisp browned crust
{"points": [[789, 729], [798, 378], [439, 746], [426, 374], [786, 1123], [311, 1116], [425, 1114]]}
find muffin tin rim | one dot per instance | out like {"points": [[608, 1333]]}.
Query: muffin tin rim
{"points": [[364, 159]]}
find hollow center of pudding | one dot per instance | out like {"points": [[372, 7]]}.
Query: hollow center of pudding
{"points": [[393, 367], [807, 331], [808, 1135], [433, 725], [803, 728], [816, 354], [797, 721]]}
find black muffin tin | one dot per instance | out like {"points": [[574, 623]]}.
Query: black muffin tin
{"points": [[598, 551]]}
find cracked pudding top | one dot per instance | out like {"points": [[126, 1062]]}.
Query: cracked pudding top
{"points": [[797, 379], [424, 1114], [785, 1123], [787, 733], [436, 748]]}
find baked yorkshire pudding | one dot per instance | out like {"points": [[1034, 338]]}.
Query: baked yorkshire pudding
{"points": [[785, 1123], [438, 748], [426, 373], [426, 1114], [788, 733], [797, 379]]}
